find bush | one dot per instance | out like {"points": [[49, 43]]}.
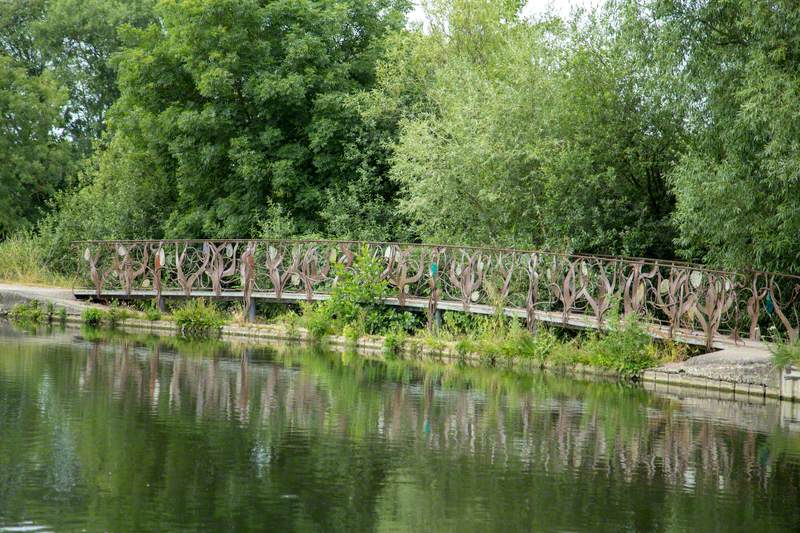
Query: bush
{"points": [[29, 312], [786, 354], [351, 334], [356, 300], [356, 296], [198, 318], [393, 343], [317, 320], [92, 317], [625, 348], [116, 314], [152, 313]]}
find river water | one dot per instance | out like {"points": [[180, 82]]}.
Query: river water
{"points": [[133, 433]]}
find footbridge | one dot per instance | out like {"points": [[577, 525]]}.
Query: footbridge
{"points": [[682, 301]]}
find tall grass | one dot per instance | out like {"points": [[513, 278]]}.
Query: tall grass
{"points": [[22, 260]]}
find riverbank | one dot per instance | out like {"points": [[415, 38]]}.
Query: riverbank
{"points": [[743, 372]]}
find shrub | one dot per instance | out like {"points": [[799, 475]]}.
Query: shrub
{"points": [[351, 334], [317, 320], [152, 313], [290, 319], [786, 354], [464, 347], [116, 314], [62, 315], [393, 343], [198, 318], [29, 312], [625, 348], [356, 296], [92, 317]]}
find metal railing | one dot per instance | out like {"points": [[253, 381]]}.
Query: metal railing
{"points": [[683, 300]]}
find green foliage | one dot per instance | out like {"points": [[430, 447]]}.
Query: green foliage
{"points": [[198, 318], [229, 103], [318, 320], [624, 348], [152, 313], [786, 354], [544, 148], [29, 312], [35, 160], [23, 259], [737, 182], [358, 291], [92, 317], [351, 334], [393, 343], [116, 314]]}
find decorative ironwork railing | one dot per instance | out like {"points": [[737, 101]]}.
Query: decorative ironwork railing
{"points": [[537, 285]]}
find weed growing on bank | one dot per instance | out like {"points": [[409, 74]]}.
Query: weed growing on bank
{"points": [[34, 312], [198, 318], [92, 317], [786, 354]]}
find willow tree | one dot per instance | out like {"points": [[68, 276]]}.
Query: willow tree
{"points": [[738, 182], [541, 133]]}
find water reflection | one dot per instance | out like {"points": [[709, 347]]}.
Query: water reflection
{"points": [[146, 433]]}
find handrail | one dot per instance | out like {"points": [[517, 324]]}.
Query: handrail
{"points": [[683, 296]]}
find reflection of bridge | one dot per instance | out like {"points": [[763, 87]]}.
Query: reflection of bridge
{"points": [[678, 300]]}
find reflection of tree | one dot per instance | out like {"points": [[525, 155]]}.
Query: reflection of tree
{"points": [[317, 440]]}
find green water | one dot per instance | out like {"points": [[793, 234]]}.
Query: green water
{"points": [[136, 433]]}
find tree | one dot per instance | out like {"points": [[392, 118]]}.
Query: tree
{"points": [[544, 134], [246, 105], [73, 40], [35, 159], [738, 182]]}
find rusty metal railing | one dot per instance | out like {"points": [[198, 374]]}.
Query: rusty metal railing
{"points": [[683, 300]]}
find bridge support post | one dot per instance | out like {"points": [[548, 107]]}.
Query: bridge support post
{"points": [[160, 303], [251, 311], [437, 320]]}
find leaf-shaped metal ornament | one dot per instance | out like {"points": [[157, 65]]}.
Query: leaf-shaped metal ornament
{"points": [[728, 284], [388, 252], [205, 248], [87, 254], [458, 270], [640, 292], [229, 250], [696, 277], [121, 250], [474, 296], [584, 268], [145, 283], [295, 280], [162, 259], [663, 287], [332, 256]]}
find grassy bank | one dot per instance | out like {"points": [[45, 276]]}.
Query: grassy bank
{"points": [[23, 260]]}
